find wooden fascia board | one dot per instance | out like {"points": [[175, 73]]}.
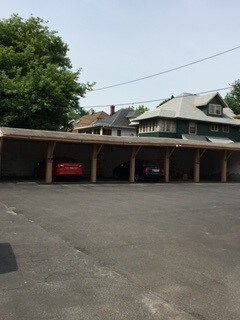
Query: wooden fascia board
{"points": [[178, 145]]}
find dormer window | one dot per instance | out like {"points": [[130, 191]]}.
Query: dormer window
{"points": [[215, 109]]}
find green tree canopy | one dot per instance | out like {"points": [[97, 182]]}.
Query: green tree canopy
{"points": [[38, 88], [140, 109], [233, 97], [164, 101]]}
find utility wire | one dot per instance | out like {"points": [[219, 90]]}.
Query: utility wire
{"points": [[167, 71], [154, 100]]}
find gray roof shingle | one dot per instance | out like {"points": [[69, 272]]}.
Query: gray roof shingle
{"points": [[186, 106], [119, 119]]}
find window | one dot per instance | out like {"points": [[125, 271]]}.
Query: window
{"points": [[225, 128], [155, 125], [214, 127], [119, 133], [167, 126], [215, 109], [148, 125], [192, 129], [96, 131], [107, 132]]}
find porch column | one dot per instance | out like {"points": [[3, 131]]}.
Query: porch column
{"points": [[132, 165], [224, 167], [94, 164], [50, 150], [197, 166], [166, 165], [1, 146]]}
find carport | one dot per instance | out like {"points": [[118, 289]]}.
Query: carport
{"points": [[48, 140]]}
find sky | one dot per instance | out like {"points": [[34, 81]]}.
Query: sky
{"points": [[114, 41]]}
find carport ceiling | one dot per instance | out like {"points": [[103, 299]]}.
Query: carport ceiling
{"points": [[57, 136]]}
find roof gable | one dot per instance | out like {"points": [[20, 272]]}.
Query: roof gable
{"points": [[89, 119], [204, 100], [119, 119]]}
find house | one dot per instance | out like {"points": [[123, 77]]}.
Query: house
{"points": [[192, 117], [88, 119], [116, 124]]}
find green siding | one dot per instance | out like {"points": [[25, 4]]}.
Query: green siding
{"points": [[203, 129], [182, 128], [205, 109], [159, 134]]}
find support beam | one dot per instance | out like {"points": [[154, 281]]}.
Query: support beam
{"points": [[136, 151], [224, 166], [197, 166], [167, 164], [1, 147], [132, 165], [50, 150], [95, 152]]}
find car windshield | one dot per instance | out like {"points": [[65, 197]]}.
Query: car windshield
{"points": [[59, 160], [63, 159], [147, 164]]}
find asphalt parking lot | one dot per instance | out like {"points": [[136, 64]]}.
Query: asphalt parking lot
{"points": [[119, 251]]}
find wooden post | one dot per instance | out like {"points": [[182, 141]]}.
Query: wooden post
{"points": [[49, 160], [197, 166], [132, 166], [166, 165], [1, 147], [94, 164], [224, 166]]}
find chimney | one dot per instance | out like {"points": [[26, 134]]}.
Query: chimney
{"points": [[112, 110], [91, 111]]}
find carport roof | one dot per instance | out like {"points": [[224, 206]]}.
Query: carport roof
{"points": [[70, 137]]}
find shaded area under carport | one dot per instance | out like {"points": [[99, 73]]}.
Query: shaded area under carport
{"points": [[21, 149]]}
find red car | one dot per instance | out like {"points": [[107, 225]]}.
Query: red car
{"points": [[61, 167]]}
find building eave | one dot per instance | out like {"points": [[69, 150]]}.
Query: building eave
{"points": [[68, 137]]}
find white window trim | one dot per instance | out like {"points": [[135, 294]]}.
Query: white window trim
{"points": [[150, 125], [224, 128], [215, 108], [156, 126], [165, 124], [192, 124], [213, 129]]}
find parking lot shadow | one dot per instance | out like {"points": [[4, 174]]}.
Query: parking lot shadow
{"points": [[8, 262]]}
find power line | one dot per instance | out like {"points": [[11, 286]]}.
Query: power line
{"points": [[167, 71], [154, 100]]}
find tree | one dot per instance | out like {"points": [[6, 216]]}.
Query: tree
{"points": [[76, 114], [233, 97], [164, 101], [38, 89], [140, 109]]}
